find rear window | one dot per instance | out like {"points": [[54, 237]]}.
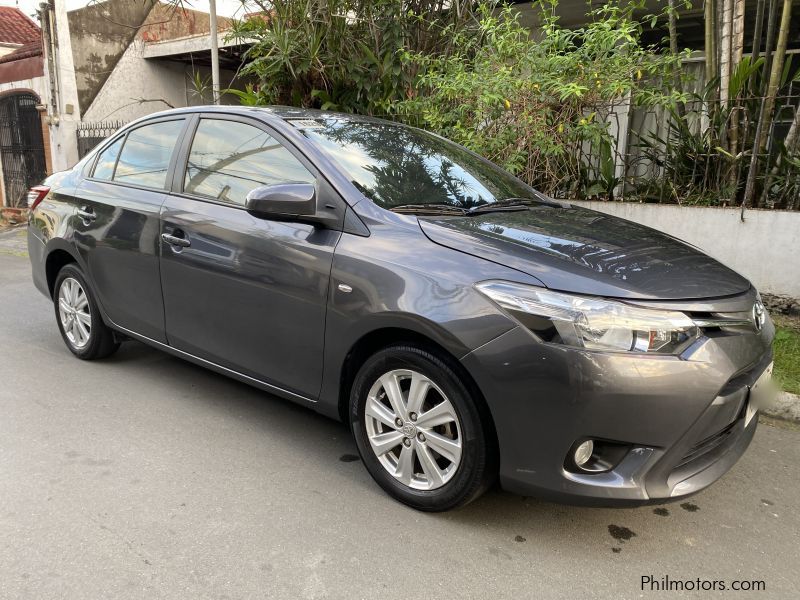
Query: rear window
{"points": [[145, 157]]}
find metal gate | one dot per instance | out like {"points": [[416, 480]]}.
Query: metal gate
{"points": [[21, 146]]}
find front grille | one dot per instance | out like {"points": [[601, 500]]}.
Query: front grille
{"points": [[705, 446]]}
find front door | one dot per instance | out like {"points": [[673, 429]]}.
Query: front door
{"points": [[246, 293]]}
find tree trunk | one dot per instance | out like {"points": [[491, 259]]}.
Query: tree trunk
{"points": [[725, 53], [710, 14], [673, 48], [737, 49], [775, 74], [772, 16], [737, 36], [791, 138], [759, 29]]}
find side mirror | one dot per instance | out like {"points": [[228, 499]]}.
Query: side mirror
{"points": [[284, 201]]}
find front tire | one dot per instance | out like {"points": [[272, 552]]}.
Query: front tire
{"points": [[419, 431], [78, 316]]}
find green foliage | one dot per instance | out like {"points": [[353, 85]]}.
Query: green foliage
{"points": [[343, 54], [693, 160], [539, 104], [688, 163], [542, 103], [787, 358]]}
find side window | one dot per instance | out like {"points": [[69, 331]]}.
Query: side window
{"points": [[228, 159], [145, 156], [104, 169]]}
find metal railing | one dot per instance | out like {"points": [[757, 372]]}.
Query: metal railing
{"points": [[91, 133]]}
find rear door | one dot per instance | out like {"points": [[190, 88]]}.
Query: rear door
{"points": [[246, 293], [116, 227]]}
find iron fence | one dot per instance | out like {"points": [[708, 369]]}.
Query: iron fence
{"points": [[709, 152], [91, 133]]}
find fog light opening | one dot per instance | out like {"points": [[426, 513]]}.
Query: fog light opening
{"points": [[591, 456], [583, 453]]}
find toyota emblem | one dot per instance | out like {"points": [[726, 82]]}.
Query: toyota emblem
{"points": [[758, 315]]}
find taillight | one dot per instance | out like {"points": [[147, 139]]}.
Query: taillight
{"points": [[36, 194]]}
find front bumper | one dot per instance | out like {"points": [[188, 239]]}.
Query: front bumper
{"points": [[682, 417]]}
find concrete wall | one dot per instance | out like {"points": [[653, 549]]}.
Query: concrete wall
{"points": [[100, 34], [139, 87], [765, 248], [63, 113], [38, 85], [139, 83]]}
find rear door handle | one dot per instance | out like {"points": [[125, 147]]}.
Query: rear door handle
{"points": [[174, 240], [87, 213]]}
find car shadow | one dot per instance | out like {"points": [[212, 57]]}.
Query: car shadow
{"points": [[518, 519]]}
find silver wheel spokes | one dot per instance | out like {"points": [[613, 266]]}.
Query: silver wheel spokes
{"points": [[413, 429], [73, 310]]}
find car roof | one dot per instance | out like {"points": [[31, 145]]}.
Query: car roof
{"points": [[282, 113]]}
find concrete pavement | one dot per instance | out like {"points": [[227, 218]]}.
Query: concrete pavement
{"points": [[143, 476]]}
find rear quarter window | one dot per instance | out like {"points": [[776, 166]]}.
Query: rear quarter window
{"points": [[107, 160]]}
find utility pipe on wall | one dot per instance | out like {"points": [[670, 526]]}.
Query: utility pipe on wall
{"points": [[214, 50]]}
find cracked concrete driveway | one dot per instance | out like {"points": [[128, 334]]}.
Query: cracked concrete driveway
{"points": [[143, 476]]}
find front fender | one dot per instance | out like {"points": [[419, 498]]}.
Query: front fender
{"points": [[398, 279]]}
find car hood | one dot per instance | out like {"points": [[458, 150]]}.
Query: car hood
{"points": [[574, 249]]}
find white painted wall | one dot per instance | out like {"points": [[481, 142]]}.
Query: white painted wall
{"points": [[63, 143], [161, 83], [37, 84], [765, 248], [135, 79]]}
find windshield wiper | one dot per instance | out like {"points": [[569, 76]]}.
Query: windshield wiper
{"points": [[507, 204], [512, 204], [429, 209]]}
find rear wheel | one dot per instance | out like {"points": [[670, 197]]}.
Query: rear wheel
{"points": [[78, 317], [419, 431]]}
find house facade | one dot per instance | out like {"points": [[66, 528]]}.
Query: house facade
{"points": [[24, 136], [80, 74]]}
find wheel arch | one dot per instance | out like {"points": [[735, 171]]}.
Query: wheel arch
{"points": [[56, 259], [378, 339]]}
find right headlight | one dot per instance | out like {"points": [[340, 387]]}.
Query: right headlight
{"points": [[592, 323]]}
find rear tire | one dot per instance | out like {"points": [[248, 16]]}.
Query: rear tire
{"points": [[78, 316], [419, 430]]}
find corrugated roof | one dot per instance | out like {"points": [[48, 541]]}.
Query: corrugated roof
{"points": [[16, 27]]}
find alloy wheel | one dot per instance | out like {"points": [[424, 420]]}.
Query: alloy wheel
{"points": [[74, 313], [413, 429]]}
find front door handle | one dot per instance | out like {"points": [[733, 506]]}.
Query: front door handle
{"points": [[86, 213], [174, 240]]}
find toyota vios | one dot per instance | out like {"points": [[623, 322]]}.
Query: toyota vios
{"points": [[466, 327]]}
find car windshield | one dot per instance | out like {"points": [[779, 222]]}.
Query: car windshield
{"points": [[398, 166]]}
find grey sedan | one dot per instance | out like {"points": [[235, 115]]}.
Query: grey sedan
{"points": [[468, 328]]}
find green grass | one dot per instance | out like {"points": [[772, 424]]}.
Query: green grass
{"points": [[787, 358]]}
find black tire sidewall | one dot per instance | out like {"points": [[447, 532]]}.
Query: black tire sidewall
{"points": [[471, 477], [98, 334]]}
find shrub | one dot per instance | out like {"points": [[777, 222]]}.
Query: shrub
{"points": [[344, 54], [541, 105]]}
